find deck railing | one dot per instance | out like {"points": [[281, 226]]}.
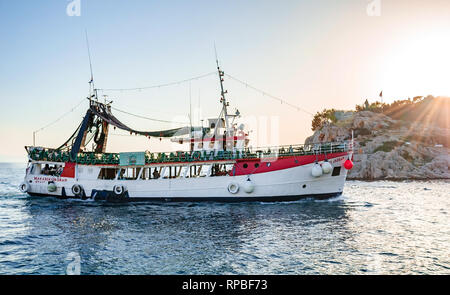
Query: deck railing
{"points": [[53, 155]]}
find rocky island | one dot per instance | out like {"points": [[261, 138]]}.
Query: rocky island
{"points": [[407, 139]]}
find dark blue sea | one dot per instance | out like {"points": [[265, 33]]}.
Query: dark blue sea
{"points": [[378, 227]]}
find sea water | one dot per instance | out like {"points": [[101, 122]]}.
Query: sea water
{"points": [[378, 227]]}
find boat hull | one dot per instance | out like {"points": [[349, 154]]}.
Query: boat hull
{"points": [[216, 199], [289, 184]]}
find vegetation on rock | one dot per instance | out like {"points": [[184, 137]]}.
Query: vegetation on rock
{"points": [[387, 146], [407, 139], [321, 118], [428, 110]]}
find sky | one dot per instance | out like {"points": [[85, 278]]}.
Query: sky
{"points": [[312, 54]]}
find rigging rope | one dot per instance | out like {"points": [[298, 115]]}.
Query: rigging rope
{"points": [[159, 85], [203, 76], [62, 116], [270, 95], [147, 118]]}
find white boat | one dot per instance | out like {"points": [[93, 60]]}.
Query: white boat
{"points": [[220, 165]]}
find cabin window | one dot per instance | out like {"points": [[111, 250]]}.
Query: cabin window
{"points": [[36, 169], [229, 168], [336, 171], [138, 171], [205, 171], [107, 173], [129, 173], [183, 171], [221, 169], [51, 169], [194, 170], [146, 173], [165, 172], [156, 173], [245, 165], [149, 173], [173, 170]]}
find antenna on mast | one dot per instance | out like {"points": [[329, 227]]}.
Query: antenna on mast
{"points": [[92, 90], [190, 107], [222, 93], [215, 51]]}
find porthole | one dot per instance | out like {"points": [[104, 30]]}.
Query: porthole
{"points": [[304, 186], [245, 165], [256, 165], [268, 164]]}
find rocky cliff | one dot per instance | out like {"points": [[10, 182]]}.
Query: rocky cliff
{"points": [[391, 149]]}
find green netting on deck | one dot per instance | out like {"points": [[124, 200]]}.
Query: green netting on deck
{"points": [[89, 158]]}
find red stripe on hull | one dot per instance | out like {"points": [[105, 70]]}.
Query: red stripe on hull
{"points": [[253, 166]]}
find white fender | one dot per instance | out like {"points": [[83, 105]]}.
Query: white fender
{"points": [[233, 187], [316, 170], [248, 186], [326, 167]]}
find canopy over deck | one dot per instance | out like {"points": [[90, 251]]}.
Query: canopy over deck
{"points": [[95, 126]]}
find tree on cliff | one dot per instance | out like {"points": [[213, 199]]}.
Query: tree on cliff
{"points": [[321, 118]]}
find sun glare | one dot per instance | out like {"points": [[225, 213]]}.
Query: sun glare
{"points": [[419, 66]]}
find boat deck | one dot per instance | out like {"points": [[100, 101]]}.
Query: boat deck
{"points": [[91, 158]]}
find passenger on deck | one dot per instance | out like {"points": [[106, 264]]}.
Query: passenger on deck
{"points": [[52, 171], [46, 170], [155, 174]]}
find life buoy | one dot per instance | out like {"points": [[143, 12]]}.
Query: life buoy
{"points": [[77, 190], [233, 187], [118, 190], [51, 187], [24, 187]]}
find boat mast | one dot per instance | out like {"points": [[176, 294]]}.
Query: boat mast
{"points": [[222, 98], [92, 89]]}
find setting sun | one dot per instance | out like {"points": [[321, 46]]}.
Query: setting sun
{"points": [[418, 64]]}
